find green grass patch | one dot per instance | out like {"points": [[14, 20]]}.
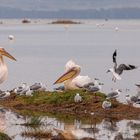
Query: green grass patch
{"points": [[4, 136], [57, 97]]}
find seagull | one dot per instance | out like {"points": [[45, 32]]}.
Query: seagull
{"points": [[77, 98], [118, 70], [113, 94], [138, 89], [11, 37], [106, 105], [60, 89], [38, 87], [94, 89], [4, 94], [71, 78], [132, 99], [22, 89], [3, 67], [29, 92]]}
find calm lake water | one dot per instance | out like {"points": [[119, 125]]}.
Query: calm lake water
{"points": [[42, 49]]}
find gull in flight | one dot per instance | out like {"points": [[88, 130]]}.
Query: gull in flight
{"points": [[118, 70]]}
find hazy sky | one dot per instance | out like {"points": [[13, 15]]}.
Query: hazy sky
{"points": [[54, 5]]}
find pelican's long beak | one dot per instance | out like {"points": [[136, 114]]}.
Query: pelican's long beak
{"points": [[66, 76], [5, 53]]}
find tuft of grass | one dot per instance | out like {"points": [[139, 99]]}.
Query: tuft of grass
{"points": [[4, 136], [33, 122], [37, 134]]}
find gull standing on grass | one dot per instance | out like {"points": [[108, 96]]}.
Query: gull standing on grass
{"points": [[96, 88], [118, 70], [77, 98], [38, 87], [106, 105], [114, 94]]}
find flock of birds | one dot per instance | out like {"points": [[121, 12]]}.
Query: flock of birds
{"points": [[72, 80]]}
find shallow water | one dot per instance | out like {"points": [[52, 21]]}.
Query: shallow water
{"points": [[107, 129]]}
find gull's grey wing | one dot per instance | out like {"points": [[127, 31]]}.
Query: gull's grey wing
{"points": [[2, 95], [122, 67], [88, 85], [112, 94], [35, 86], [114, 56], [93, 89], [114, 59]]}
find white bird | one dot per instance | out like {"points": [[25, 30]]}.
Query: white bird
{"points": [[3, 67], [4, 94], [131, 99], [138, 89], [60, 89], [116, 28], [71, 77], [22, 89], [113, 94], [11, 37], [118, 70], [77, 98], [38, 87], [106, 105], [29, 92]]}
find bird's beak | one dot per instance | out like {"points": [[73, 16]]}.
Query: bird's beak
{"points": [[66, 76], [5, 53]]}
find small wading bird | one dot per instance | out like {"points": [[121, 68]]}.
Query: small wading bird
{"points": [[118, 70], [3, 67], [71, 77]]}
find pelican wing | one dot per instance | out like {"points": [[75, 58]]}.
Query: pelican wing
{"points": [[122, 67], [80, 81]]}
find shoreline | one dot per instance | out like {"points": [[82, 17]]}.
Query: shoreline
{"points": [[52, 102]]}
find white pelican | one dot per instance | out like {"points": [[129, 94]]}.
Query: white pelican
{"points": [[71, 77], [3, 67]]}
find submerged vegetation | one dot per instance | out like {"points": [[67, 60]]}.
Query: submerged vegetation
{"points": [[33, 122], [4, 136], [37, 134]]}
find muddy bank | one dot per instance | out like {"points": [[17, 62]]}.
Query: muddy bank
{"points": [[64, 103]]}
